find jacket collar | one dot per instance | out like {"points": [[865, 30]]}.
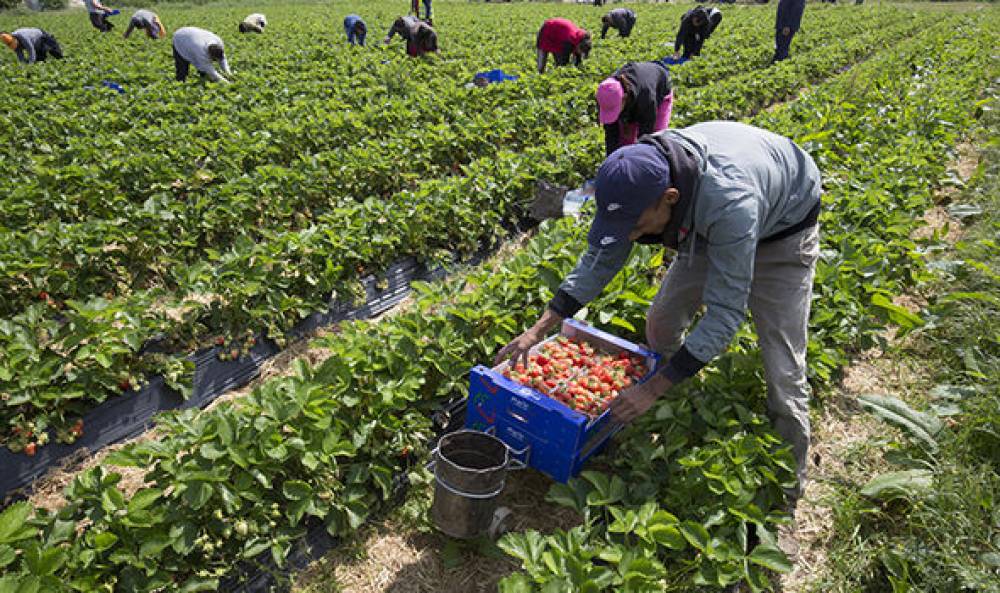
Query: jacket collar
{"points": [[684, 175]]}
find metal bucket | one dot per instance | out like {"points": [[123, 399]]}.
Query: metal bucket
{"points": [[470, 471]]}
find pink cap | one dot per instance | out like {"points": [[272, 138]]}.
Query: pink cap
{"points": [[610, 98]]}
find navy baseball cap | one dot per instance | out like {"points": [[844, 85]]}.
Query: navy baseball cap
{"points": [[629, 181]]}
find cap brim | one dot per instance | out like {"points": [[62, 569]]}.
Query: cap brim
{"points": [[608, 116], [608, 231]]}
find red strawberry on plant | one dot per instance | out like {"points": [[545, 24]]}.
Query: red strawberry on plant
{"points": [[234, 354], [43, 296], [220, 341], [30, 449], [125, 385]]}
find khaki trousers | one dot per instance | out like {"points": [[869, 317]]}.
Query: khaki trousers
{"points": [[780, 296]]}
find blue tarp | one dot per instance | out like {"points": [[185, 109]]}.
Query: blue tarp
{"points": [[496, 75]]}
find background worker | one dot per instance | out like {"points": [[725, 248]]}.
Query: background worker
{"points": [[620, 19], [634, 101], [740, 205], [697, 25], [564, 40], [149, 22], [201, 48], [254, 23], [355, 29], [99, 15], [420, 37], [787, 20], [32, 45]]}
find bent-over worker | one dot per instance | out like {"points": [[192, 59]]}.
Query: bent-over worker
{"points": [[787, 21], [254, 23], [149, 22], [620, 19], [420, 37], [201, 48], [634, 101], [697, 25], [355, 29], [98, 15], [32, 45], [564, 40], [740, 205]]}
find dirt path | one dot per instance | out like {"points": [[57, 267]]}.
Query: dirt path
{"points": [[405, 555], [842, 433]]}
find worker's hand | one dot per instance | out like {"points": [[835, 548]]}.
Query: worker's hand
{"points": [[634, 401], [517, 350], [677, 55]]}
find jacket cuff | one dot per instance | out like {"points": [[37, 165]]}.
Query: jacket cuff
{"points": [[681, 366], [564, 305]]}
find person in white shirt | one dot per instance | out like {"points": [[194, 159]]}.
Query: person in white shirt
{"points": [[254, 23], [201, 48]]}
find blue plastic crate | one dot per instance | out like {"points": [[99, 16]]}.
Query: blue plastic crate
{"points": [[560, 440]]}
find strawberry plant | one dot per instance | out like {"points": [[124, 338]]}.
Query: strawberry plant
{"points": [[702, 469], [242, 222]]}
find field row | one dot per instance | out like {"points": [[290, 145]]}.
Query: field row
{"points": [[243, 276], [239, 480]]}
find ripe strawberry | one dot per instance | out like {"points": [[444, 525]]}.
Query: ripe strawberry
{"points": [[43, 296], [220, 341], [234, 354], [30, 449], [124, 385]]}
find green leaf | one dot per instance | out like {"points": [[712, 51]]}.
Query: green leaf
{"points": [[771, 557], [153, 545], [516, 583], [606, 490], [901, 484], [695, 534], [7, 555], [667, 536], [923, 427], [296, 490], [143, 499], [104, 540], [20, 584], [897, 314], [197, 494], [211, 452], [44, 561], [13, 525]]}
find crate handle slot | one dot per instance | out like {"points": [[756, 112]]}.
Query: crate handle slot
{"points": [[517, 416]]}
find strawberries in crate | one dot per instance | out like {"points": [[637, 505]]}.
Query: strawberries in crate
{"points": [[572, 372]]}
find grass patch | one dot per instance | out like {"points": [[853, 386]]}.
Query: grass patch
{"points": [[940, 531]]}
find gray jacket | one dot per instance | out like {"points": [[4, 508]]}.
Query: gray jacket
{"points": [[28, 39], [751, 186]]}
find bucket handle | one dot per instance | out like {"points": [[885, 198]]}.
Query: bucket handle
{"points": [[519, 458]]}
